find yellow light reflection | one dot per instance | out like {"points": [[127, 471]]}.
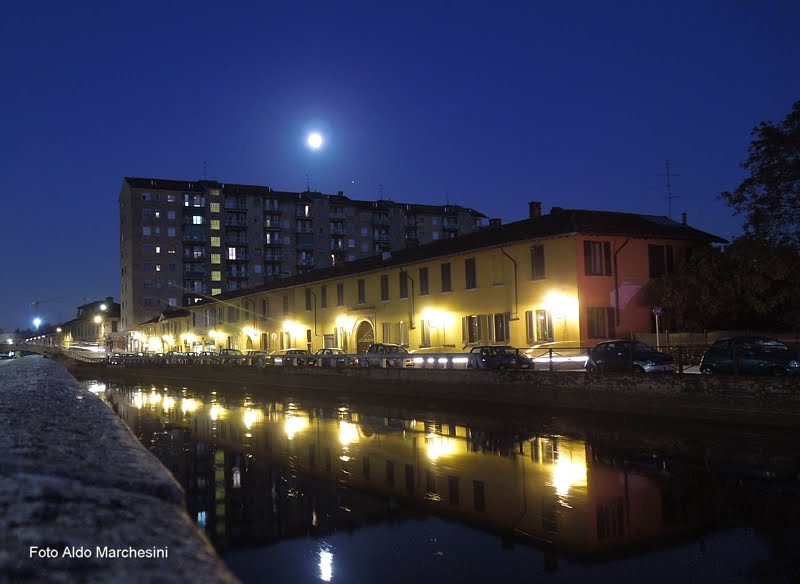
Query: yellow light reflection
{"points": [[251, 416], [188, 405], [217, 411], [438, 446], [293, 425], [168, 403], [348, 432], [569, 471], [561, 305], [154, 398], [138, 400]]}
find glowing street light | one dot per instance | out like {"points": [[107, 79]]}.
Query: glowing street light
{"points": [[37, 322]]}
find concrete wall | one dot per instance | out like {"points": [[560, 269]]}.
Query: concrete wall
{"points": [[76, 482], [729, 399]]}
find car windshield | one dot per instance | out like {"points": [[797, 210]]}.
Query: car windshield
{"points": [[771, 345]]}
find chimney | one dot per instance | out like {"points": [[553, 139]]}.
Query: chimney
{"points": [[534, 209], [494, 222], [683, 218]]}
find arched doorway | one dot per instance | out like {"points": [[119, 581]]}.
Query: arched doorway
{"points": [[249, 344], [365, 336]]}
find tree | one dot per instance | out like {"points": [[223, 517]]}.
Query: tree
{"points": [[770, 197], [749, 284]]}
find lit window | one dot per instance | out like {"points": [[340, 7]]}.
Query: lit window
{"points": [[215, 224], [215, 207], [216, 241], [231, 253], [197, 219], [158, 249], [158, 214], [215, 291], [171, 198], [158, 267], [171, 250], [216, 258], [216, 276]]}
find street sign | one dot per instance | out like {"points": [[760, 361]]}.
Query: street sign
{"points": [[657, 310]]}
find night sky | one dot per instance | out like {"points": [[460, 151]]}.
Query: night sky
{"points": [[483, 104]]}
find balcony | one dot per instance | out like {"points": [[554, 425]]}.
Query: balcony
{"points": [[271, 206], [236, 204], [240, 257], [272, 223], [382, 236], [235, 239], [272, 258], [307, 262], [304, 240], [194, 255], [194, 234], [380, 219], [194, 271], [231, 223], [236, 274], [273, 242], [337, 213], [337, 245]]}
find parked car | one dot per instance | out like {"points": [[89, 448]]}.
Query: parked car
{"points": [[750, 355], [257, 358], [628, 356], [328, 357], [500, 357], [389, 354], [290, 357], [230, 356]]}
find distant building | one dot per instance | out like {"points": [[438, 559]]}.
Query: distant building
{"points": [[182, 241], [96, 325], [571, 276]]}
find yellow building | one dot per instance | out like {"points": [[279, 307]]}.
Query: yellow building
{"points": [[569, 276]]}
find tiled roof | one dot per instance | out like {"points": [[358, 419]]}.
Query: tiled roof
{"points": [[558, 222]]}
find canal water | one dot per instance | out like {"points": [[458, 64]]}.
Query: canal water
{"points": [[309, 490]]}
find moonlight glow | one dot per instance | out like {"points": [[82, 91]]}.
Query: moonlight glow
{"points": [[314, 141]]}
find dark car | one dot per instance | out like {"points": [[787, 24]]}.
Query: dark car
{"points": [[328, 357], [750, 355], [500, 357], [628, 356], [388, 355], [290, 357]]}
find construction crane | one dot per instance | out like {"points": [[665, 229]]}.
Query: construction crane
{"points": [[36, 303]]}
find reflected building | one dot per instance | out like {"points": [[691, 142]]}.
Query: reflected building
{"points": [[258, 472]]}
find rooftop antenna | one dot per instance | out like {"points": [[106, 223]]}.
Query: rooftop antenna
{"points": [[669, 174], [308, 182], [380, 191], [204, 170], [446, 195]]}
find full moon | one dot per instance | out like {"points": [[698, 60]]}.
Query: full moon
{"points": [[314, 140]]}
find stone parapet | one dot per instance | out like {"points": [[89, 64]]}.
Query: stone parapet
{"points": [[82, 499]]}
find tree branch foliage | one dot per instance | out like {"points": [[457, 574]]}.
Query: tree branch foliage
{"points": [[749, 284], [770, 197]]}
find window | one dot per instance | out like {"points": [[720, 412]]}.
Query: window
{"points": [[386, 329], [158, 249], [447, 285], [216, 291], [323, 297], [216, 258], [158, 267], [597, 258], [452, 490], [425, 334], [499, 327], [340, 294], [424, 289], [171, 198], [362, 291], [537, 262], [146, 230], [538, 326], [384, 287], [216, 241], [308, 299], [600, 323], [471, 274], [472, 328], [216, 276], [214, 207], [215, 224], [171, 249], [170, 232], [171, 215], [403, 284], [197, 219], [660, 259], [479, 495], [231, 253]]}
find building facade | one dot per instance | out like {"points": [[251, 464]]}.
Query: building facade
{"points": [[182, 241], [570, 276], [95, 325]]}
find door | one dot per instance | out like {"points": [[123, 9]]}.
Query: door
{"points": [[365, 336]]}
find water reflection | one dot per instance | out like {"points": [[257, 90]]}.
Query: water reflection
{"points": [[259, 472]]}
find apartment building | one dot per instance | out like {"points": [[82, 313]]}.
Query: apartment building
{"points": [[570, 276], [182, 241]]}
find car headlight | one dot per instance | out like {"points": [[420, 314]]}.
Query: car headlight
{"points": [[794, 364], [650, 363]]}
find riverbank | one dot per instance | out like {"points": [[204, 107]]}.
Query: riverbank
{"points": [[83, 500], [733, 400]]}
